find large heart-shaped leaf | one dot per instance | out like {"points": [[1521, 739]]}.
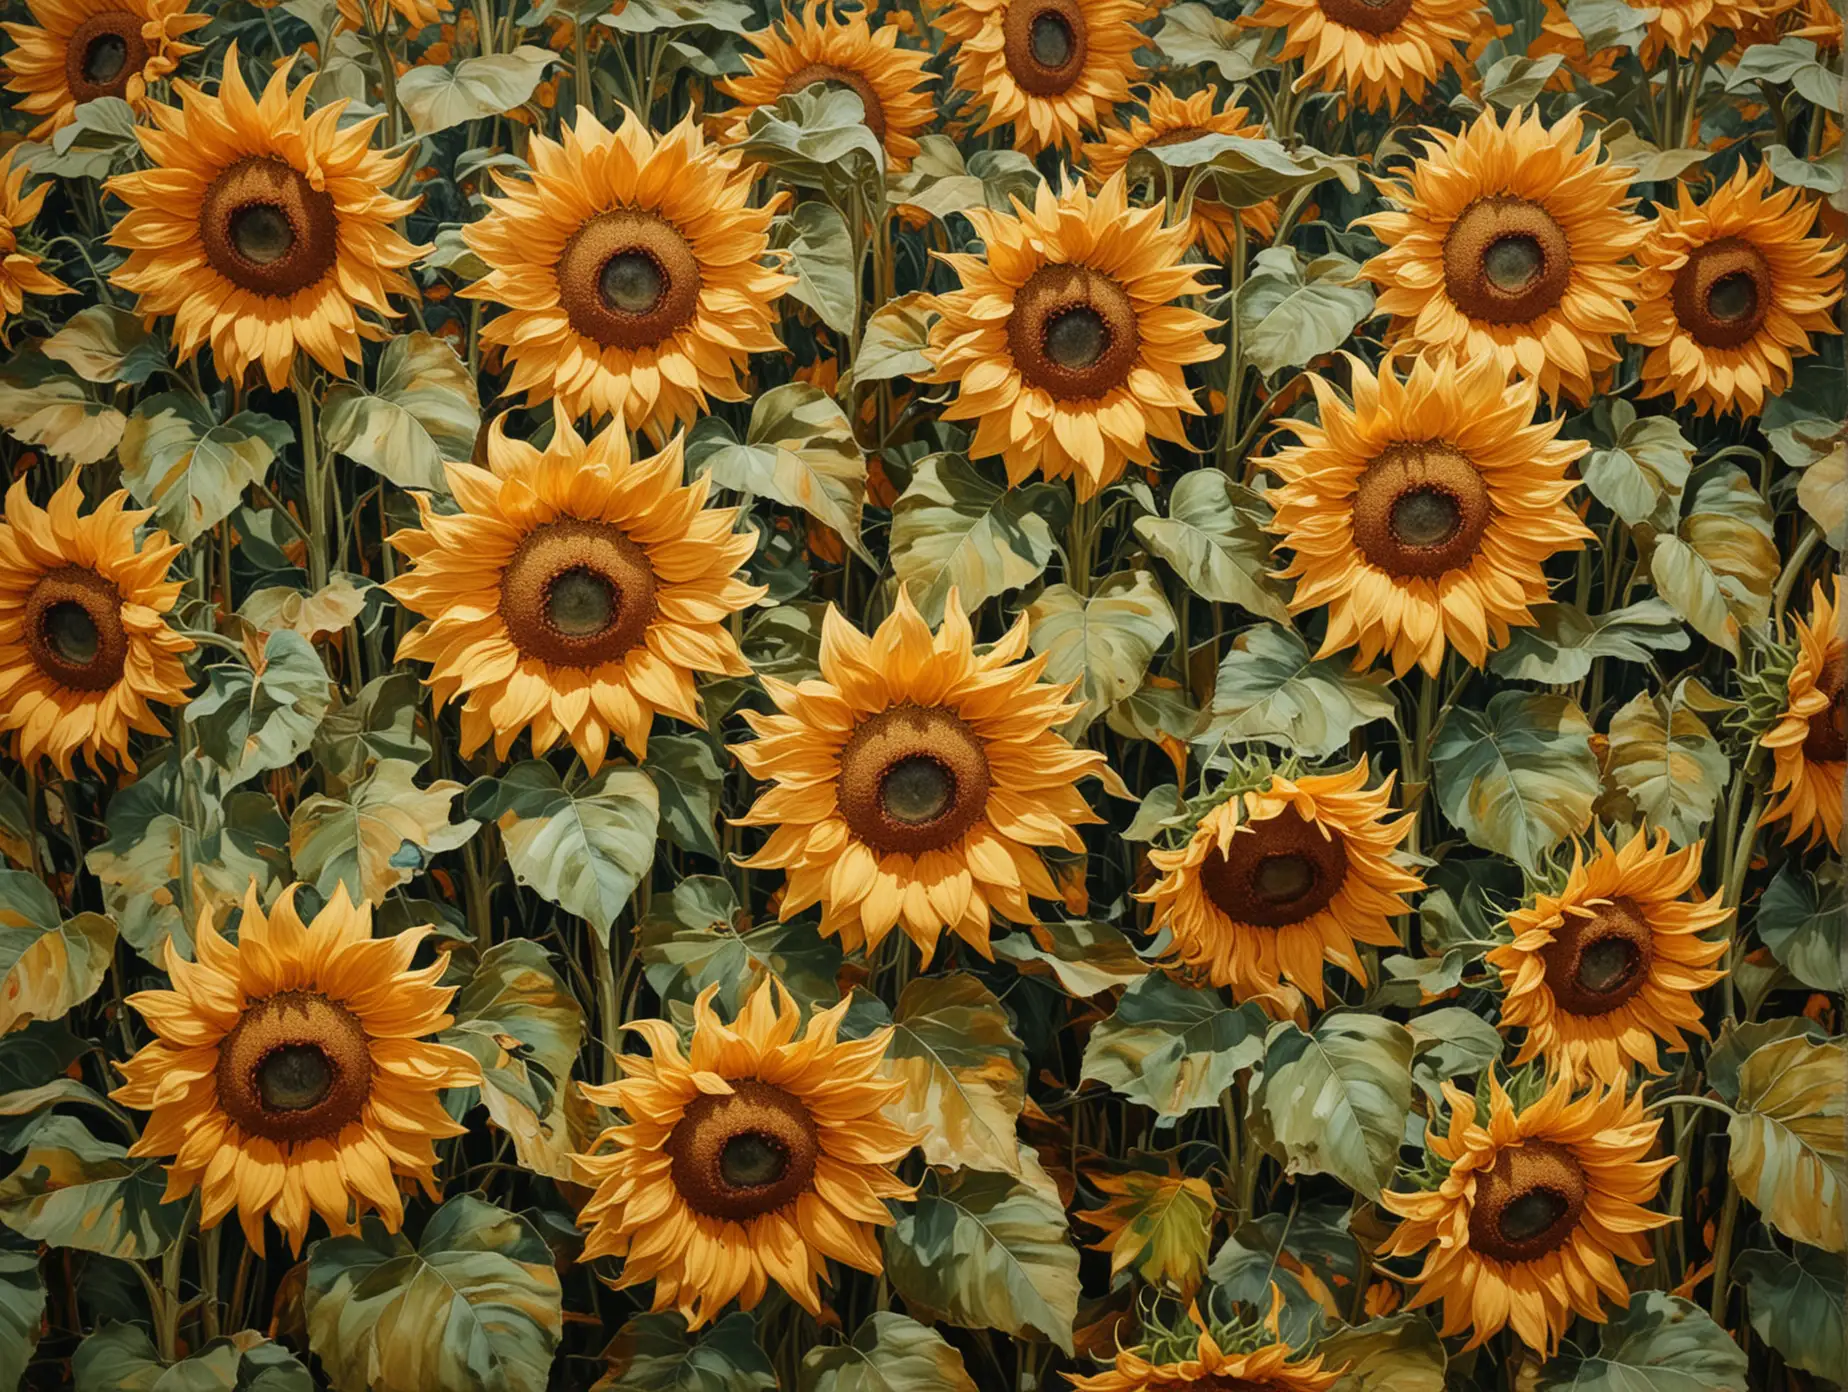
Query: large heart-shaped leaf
{"points": [[1789, 1150], [1518, 777], [1172, 1047], [1334, 1100], [964, 1072]]}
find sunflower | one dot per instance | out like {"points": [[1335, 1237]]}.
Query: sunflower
{"points": [[20, 274], [914, 779], [577, 592], [811, 48], [75, 51], [1558, 34], [1052, 67], [84, 642], [290, 1074], [1685, 25], [1070, 352], [1378, 52], [1809, 743], [1511, 241], [1535, 1211], [631, 269], [1175, 120], [1600, 972], [416, 14], [1267, 1368], [753, 1157], [261, 228], [1422, 514], [1280, 879], [1731, 291]]}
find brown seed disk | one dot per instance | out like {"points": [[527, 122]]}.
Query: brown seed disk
{"points": [[552, 581], [266, 229], [73, 629], [104, 52], [1420, 509], [1281, 871], [281, 1043], [1044, 44], [1722, 293], [1529, 1203], [1827, 741], [1054, 300], [743, 1155], [903, 764], [628, 239], [1595, 963], [1506, 261], [1368, 16], [845, 77]]}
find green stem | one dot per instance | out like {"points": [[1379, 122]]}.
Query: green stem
{"points": [[1793, 571], [1722, 1252], [314, 482]]}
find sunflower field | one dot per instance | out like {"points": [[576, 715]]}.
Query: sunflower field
{"points": [[922, 696]]}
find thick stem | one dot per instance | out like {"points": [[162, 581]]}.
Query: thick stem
{"points": [[314, 481], [1722, 1252]]}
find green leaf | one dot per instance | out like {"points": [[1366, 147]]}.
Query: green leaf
{"points": [[1822, 492], [72, 1190], [99, 141], [1173, 1048], [888, 1353], [475, 1304], [1789, 60], [961, 524], [1564, 641], [1789, 1151], [122, 1358], [1608, 23], [1519, 777], [1663, 755], [892, 343], [1088, 957], [22, 1311], [1104, 642], [1800, 920], [377, 834], [39, 406], [818, 139], [987, 1251], [426, 409], [116, 1358], [385, 721], [106, 344], [1515, 80], [47, 966], [584, 848], [1645, 471], [437, 98], [1797, 1304], [1449, 1042], [687, 775], [1214, 538], [653, 1353], [1291, 312], [1269, 688], [1307, 1254], [1718, 567], [1334, 1101], [1662, 1343], [652, 16], [180, 460], [1738, 1040], [250, 722], [821, 259], [1191, 36], [964, 1070], [1400, 1353], [1244, 171], [692, 940]]}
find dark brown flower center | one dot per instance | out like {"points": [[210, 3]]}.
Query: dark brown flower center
{"points": [[73, 629], [1528, 1204], [1722, 293], [1420, 509], [1598, 961], [913, 779], [628, 280], [1279, 871], [744, 1154], [577, 594], [1044, 43], [1073, 332], [266, 229], [296, 1067], [1506, 261], [104, 52], [1827, 741], [1368, 16], [853, 81]]}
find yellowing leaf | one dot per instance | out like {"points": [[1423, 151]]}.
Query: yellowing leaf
{"points": [[964, 1073], [1161, 1224], [1789, 1149], [375, 837]]}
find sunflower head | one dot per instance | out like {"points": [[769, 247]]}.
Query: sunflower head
{"points": [[1606, 969], [20, 273], [1534, 1208], [1201, 1355], [1731, 292], [1378, 53], [1809, 741], [577, 592], [1422, 514], [75, 51], [376, 14], [754, 1155], [1682, 26], [290, 1076], [914, 781]]}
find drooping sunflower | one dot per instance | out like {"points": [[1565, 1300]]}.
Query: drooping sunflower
{"points": [[1064, 336], [416, 14], [1538, 1207], [20, 273], [84, 641], [1175, 120], [1510, 240], [577, 592], [1052, 67], [804, 49], [753, 1157], [1380, 53], [1732, 288], [632, 273], [262, 229], [914, 779], [1267, 1367], [1809, 743], [75, 51], [290, 1074], [1278, 880], [1422, 514], [1601, 972]]}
